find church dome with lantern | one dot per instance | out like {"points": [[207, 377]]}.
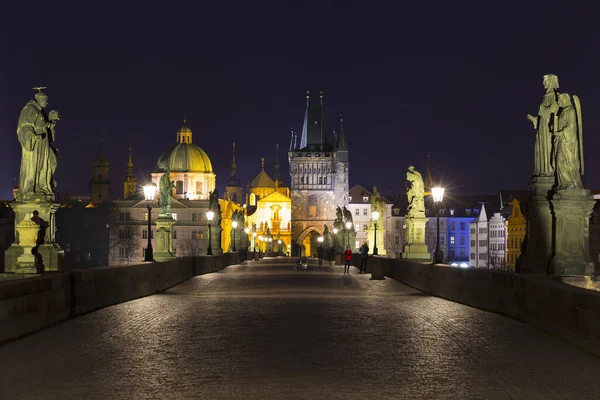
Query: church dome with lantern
{"points": [[190, 167]]}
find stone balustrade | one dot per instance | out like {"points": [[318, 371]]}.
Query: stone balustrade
{"points": [[565, 310], [30, 304]]}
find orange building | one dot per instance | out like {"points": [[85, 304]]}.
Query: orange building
{"points": [[515, 234]]}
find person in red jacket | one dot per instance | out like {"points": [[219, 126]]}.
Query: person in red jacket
{"points": [[347, 259]]}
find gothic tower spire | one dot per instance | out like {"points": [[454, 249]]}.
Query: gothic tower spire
{"points": [[314, 133], [233, 164], [428, 179], [130, 183], [276, 173]]}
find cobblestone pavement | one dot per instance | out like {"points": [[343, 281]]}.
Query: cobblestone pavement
{"points": [[263, 331]]}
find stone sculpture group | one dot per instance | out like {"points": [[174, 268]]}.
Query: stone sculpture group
{"points": [[559, 208]]}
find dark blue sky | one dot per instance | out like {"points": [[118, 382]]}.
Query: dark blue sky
{"points": [[455, 80]]}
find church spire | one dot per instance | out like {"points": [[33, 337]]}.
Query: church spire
{"points": [[342, 145], [262, 163], [233, 164], [314, 134], [130, 183], [428, 179], [276, 173], [129, 162]]}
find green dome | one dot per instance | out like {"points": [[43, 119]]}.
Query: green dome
{"points": [[185, 157]]}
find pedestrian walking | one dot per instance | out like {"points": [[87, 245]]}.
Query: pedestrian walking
{"points": [[347, 259], [364, 256]]}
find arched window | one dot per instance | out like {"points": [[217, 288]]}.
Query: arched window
{"points": [[179, 187], [252, 199]]}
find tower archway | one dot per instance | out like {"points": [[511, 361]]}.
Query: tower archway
{"points": [[306, 242]]}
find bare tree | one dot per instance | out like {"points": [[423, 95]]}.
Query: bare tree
{"points": [[124, 242], [189, 248]]}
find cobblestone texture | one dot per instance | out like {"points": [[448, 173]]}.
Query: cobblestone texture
{"points": [[263, 331]]}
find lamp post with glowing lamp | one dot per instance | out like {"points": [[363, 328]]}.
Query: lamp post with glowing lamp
{"points": [[149, 192], [375, 215], [234, 226], [209, 216], [348, 226], [247, 230], [254, 241], [438, 196]]}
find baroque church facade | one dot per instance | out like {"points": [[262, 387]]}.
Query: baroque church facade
{"points": [[319, 166]]}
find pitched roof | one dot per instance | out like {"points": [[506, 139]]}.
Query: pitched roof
{"points": [[262, 180]]}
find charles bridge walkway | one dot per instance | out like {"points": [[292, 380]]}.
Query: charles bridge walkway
{"points": [[262, 330]]}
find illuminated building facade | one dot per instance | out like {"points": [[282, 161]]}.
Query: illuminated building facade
{"points": [[516, 229]]}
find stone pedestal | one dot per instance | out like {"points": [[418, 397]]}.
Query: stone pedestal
{"points": [[164, 238], [571, 255], [216, 231], [538, 248], [416, 249], [35, 249]]}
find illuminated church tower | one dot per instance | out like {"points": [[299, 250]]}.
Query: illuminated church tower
{"points": [[130, 183], [319, 177], [99, 184]]}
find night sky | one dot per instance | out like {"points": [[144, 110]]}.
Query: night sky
{"points": [[452, 79]]}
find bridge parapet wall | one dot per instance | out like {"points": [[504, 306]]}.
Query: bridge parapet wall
{"points": [[30, 304], [568, 311]]}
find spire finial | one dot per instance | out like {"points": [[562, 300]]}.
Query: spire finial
{"points": [[233, 164], [184, 120], [262, 163], [100, 146], [307, 95], [130, 162]]}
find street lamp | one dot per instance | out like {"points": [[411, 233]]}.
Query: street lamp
{"points": [[254, 241], [247, 230], [234, 226], [270, 245], [348, 226], [149, 192], [279, 246], [438, 196], [209, 216], [375, 215]]}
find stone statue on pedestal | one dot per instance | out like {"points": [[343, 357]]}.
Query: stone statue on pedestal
{"points": [[559, 208], [166, 186], [35, 131], [416, 248]]}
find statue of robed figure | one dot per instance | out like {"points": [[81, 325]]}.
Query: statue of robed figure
{"points": [[543, 123], [166, 186], [567, 157], [415, 192], [35, 131]]}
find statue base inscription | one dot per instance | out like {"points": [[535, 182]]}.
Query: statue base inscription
{"points": [[572, 209], [164, 238], [34, 250], [417, 248]]}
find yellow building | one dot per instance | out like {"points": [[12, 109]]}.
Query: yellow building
{"points": [[269, 212], [515, 234]]}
